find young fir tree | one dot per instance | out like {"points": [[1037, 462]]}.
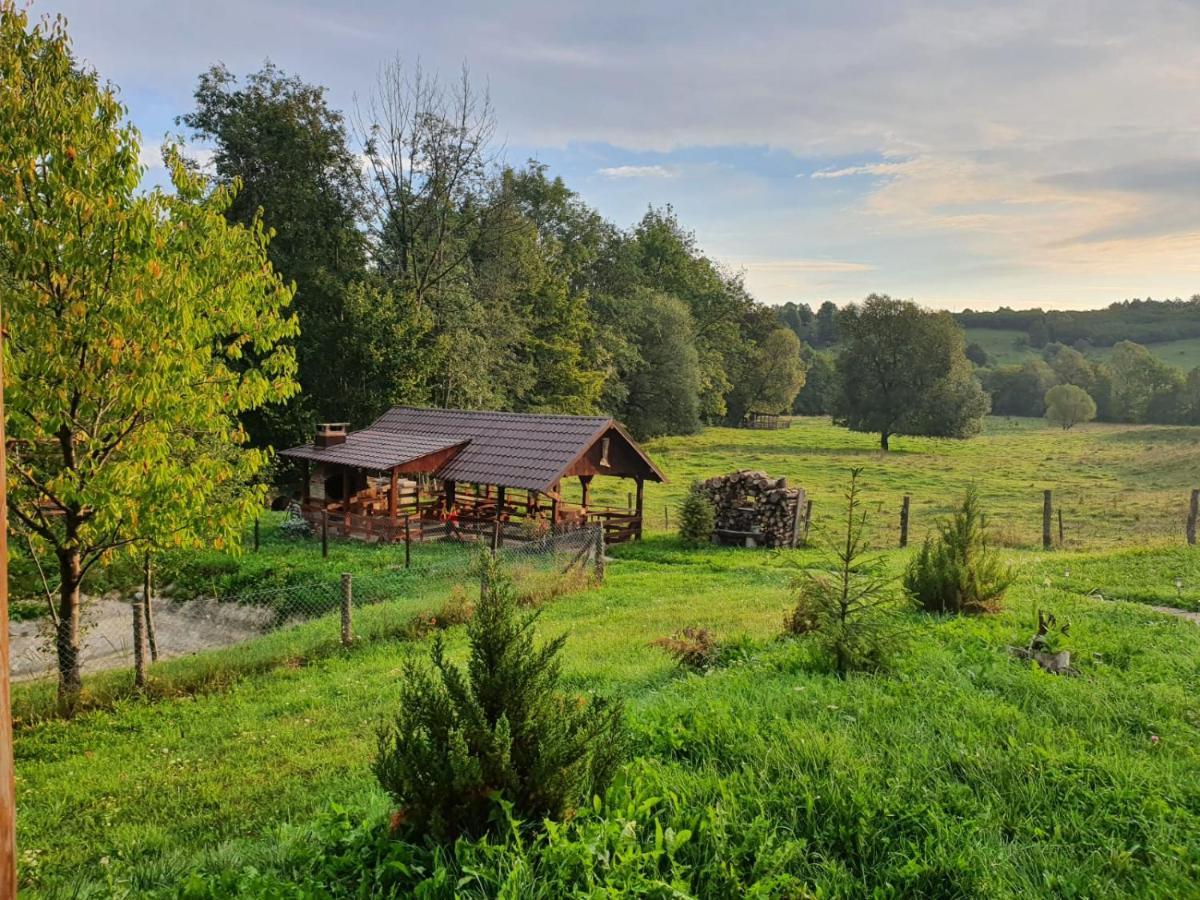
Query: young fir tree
{"points": [[958, 572], [850, 607], [697, 518], [502, 730]]}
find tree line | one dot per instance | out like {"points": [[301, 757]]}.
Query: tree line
{"points": [[1129, 385], [429, 271], [1145, 321]]}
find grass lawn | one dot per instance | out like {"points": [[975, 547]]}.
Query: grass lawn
{"points": [[1116, 484], [960, 773]]}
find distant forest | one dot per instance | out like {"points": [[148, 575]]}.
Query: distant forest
{"points": [[1130, 385], [1141, 321]]}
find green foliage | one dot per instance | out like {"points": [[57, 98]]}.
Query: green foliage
{"points": [[697, 518], [1068, 405], [1019, 390], [767, 377], [276, 138], [1143, 386], [663, 385], [848, 608], [502, 731], [140, 327], [958, 571], [815, 398], [902, 370]]}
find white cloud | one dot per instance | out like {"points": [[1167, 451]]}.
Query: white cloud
{"points": [[884, 168], [637, 172]]}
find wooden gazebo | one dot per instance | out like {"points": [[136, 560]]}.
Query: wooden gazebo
{"points": [[415, 472]]}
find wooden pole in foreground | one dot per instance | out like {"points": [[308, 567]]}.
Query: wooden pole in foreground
{"points": [[1193, 515], [1047, 515], [904, 521], [1061, 540], [347, 603], [8, 812]]}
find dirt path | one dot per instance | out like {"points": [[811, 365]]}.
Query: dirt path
{"points": [[181, 628], [1178, 613]]}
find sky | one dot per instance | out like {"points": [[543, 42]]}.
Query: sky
{"points": [[963, 154]]}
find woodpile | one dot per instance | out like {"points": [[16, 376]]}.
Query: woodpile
{"points": [[755, 509]]}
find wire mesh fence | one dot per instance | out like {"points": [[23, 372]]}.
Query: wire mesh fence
{"points": [[437, 583]]}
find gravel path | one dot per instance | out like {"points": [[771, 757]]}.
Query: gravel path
{"points": [[181, 627]]}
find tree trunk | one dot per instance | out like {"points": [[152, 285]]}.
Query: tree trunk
{"points": [[67, 636], [147, 598], [883, 441]]}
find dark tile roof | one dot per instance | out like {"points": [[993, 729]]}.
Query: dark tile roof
{"points": [[376, 449], [520, 450], [517, 450]]}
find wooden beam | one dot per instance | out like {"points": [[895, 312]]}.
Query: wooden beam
{"points": [[641, 484], [451, 494], [393, 499], [585, 483]]}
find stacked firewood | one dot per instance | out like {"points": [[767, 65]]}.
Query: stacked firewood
{"points": [[753, 503]]}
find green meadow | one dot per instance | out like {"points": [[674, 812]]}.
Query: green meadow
{"points": [[962, 772], [1002, 348]]}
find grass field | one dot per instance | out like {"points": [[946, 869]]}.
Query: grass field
{"points": [[961, 773], [1002, 349]]}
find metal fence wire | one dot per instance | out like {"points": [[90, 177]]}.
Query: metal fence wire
{"points": [[441, 579]]}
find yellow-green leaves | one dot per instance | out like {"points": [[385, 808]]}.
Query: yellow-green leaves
{"points": [[139, 324]]}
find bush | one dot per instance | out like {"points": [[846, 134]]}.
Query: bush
{"points": [[500, 731], [697, 518], [849, 609], [694, 648], [1068, 405], [958, 572]]}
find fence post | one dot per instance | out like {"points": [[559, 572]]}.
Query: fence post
{"points": [[324, 533], [904, 521], [1061, 540], [807, 521], [667, 517], [139, 641], [256, 534], [407, 543], [1047, 515], [1193, 515], [495, 536], [347, 603], [599, 553]]}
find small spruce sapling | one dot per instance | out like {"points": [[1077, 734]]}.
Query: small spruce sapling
{"points": [[502, 731], [697, 518], [958, 571], [849, 609]]}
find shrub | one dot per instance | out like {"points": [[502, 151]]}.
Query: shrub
{"points": [[500, 731], [697, 518], [295, 527], [958, 571], [694, 648], [849, 609]]}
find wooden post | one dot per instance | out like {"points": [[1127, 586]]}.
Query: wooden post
{"points": [[451, 494], [638, 510], [1061, 539], [148, 605], [628, 501], [1193, 515], [585, 484], [347, 601], [904, 521], [1047, 515], [666, 517], [325, 533], [407, 543], [495, 536], [393, 498], [256, 534], [139, 642], [807, 520], [599, 554], [346, 491], [8, 830], [796, 513]]}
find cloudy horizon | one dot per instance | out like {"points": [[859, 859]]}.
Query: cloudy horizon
{"points": [[958, 153]]}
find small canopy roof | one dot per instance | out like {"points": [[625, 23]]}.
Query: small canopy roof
{"points": [[532, 451], [377, 450]]}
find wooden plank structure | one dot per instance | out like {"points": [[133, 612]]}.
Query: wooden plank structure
{"points": [[418, 474], [766, 421]]}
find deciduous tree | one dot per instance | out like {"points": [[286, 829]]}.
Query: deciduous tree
{"points": [[902, 370], [1068, 405], [139, 327]]}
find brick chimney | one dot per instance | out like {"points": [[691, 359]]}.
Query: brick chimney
{"points": [[330, 434]]}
